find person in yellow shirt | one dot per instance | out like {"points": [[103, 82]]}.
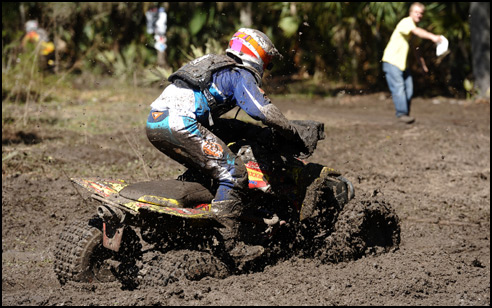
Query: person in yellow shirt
{"points": [[394, 60]]}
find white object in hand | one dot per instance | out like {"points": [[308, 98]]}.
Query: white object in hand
{"points": [[442, 47]]}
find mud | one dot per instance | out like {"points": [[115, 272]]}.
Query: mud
{"points": [[435, 173]]}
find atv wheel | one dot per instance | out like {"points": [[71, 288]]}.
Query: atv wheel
{"points": [[362, 227], [165, 268], [326, 194], [80, 256]]}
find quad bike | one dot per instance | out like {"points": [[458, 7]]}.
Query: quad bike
{"points": [[152, 233]]}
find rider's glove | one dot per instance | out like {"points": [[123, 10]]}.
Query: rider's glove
{"points": [[302, 137], [308, 134]]}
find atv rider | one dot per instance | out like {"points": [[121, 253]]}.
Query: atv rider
{"points": [[181, 121]]}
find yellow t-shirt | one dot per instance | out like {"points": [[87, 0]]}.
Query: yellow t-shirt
{"points": [[396, 51]]}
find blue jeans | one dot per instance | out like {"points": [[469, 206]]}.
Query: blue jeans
{"points": [[400, 84]]}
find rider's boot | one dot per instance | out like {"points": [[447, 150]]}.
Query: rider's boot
{"points": [[227, 213]]}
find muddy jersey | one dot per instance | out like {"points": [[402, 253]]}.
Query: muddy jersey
{"points": [[230, 87]]}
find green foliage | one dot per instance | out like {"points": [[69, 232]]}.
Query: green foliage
{"points": [[469, 88], [22, 81], [155, 75], [340, 42], [124, 64], [289, 25], [211, 46], [197, 22]]}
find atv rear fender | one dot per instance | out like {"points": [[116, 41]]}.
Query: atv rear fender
{"points": [[113, 219]]}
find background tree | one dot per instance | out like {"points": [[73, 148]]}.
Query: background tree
{"points": [[480, 44]]}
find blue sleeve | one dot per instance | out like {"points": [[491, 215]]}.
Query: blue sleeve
{"points": [[249, 97]]}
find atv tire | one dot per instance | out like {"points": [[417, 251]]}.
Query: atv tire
{"points": [[362, 227], [165, 268], [81, 257]]}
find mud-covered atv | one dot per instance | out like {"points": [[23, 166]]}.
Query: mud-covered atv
{"points": [[152, 233]]}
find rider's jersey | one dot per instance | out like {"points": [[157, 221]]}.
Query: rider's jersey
{"points": [[230, 87]]}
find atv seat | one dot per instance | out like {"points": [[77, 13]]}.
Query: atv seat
{"points": [[171, 193]]}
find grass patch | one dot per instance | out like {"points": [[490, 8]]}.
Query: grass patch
{"points": [[96, 111]]}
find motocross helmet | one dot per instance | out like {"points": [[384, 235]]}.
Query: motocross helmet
{"points": [[253, 49]]}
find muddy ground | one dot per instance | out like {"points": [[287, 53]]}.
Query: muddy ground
{"points": [[435, 173]]}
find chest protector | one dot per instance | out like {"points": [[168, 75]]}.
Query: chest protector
{"points": [[198, 74]]}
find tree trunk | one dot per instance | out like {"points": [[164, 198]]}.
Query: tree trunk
{"points": [[161, 59], [246, 15], [480, 45]]}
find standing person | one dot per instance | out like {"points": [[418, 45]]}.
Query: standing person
{"points": [[394, 60], [157, 25], [39, 37], [181, 122]]}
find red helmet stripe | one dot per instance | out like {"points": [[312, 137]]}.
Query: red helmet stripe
{"points": [[246, 50]]}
